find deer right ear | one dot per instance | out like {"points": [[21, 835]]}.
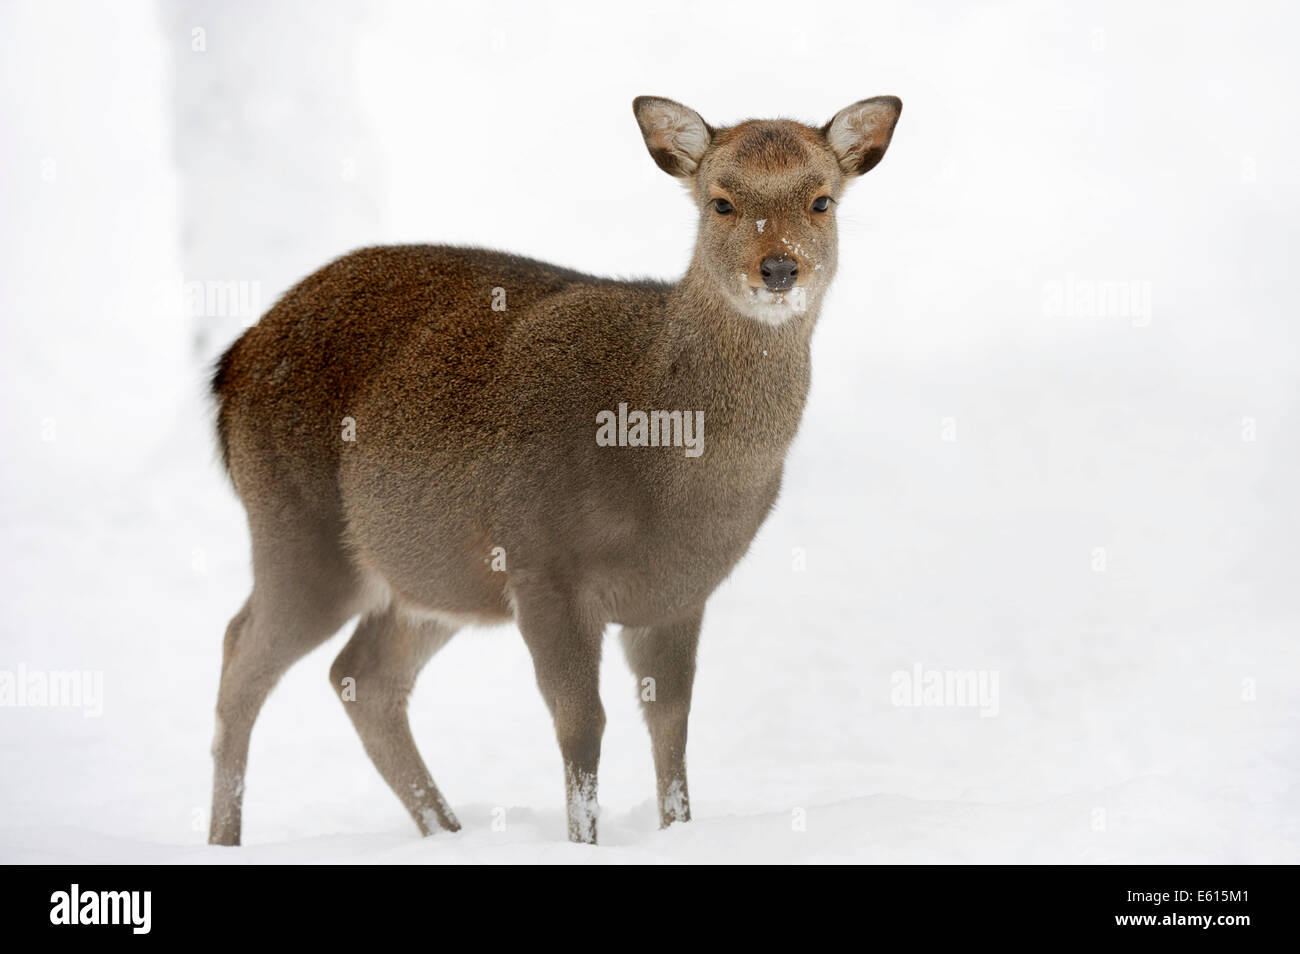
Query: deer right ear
{"points": [[675, 134]]}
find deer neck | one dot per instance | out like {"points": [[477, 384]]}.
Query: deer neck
{"points": [[749, 377]]}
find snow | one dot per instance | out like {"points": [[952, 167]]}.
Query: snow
{"points": [[1096, 504], [675, 801]]}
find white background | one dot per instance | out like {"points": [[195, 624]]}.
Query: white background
{"points": [[1147, 710]]}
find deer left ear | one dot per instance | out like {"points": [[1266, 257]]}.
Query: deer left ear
{"points": [[675, 134], [860, 134]]}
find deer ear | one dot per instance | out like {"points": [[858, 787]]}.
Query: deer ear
{"points": [[675, 134], [860, 134]]}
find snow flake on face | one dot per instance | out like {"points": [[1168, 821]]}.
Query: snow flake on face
{"points": [[760, 223]]}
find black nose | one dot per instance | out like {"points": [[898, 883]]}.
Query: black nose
{"points": [[779, 272]]}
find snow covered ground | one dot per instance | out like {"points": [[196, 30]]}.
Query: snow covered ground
{"points": [[1094, 503]]}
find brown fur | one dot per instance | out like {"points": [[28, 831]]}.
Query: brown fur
{"points": [[475, 430]]}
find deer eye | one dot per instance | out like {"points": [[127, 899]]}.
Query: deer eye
{"points": [[821, 203], [723, 207]]}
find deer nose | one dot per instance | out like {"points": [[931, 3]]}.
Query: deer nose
{"points": [[779, 272]]}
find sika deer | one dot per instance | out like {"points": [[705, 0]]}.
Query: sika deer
{"points": [[432, 437]]}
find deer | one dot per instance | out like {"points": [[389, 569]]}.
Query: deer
{"points": [[414, 432]]}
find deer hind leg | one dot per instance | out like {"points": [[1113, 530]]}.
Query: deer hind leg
{"points": [[301, 596], [373, 675], [663, 660]]}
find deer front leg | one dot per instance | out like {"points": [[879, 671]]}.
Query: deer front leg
{"points": [[566, 657], [663, 659]]}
